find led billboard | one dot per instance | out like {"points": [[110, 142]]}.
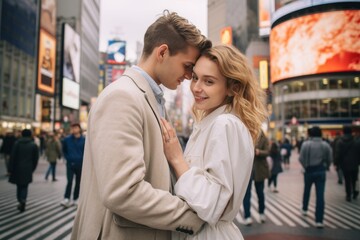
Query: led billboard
{"points": [[314, 44], [46, 65]]}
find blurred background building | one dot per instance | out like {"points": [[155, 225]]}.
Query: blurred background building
{"points": [[306, 55], [48, 59]]}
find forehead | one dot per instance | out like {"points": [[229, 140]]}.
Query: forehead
{"points": [[188, 56], [205, 66]]}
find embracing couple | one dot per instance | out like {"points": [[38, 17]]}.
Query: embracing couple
{"points": [[132, 152]]}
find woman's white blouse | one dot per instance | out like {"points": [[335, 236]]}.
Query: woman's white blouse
{"points": [[220, 153]]}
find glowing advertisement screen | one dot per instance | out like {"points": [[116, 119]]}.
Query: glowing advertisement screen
{"points": [[316, 44]]}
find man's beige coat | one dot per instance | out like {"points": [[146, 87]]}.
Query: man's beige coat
{"points": [[125, 180]]}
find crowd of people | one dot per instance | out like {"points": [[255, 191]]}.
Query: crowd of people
{"points": [[133, 178], [22, 150]]}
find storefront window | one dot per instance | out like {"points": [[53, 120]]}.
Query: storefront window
{"points": [[324, 107]]}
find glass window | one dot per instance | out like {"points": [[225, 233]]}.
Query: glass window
{"points": [[333, 108], [21, 109], [355, 82], [314, 109], [30, 77], [15, 72], [288, 110], [296, 110], [14, 103], [313, 85], [28, 106], [304, 113], [324, 83], [324, 107], [23, 76], [333, 83], [344, 107], [355, 107], [5, 101]]}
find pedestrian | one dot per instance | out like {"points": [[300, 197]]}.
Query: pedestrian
{"points": [[260, 172], [23, 161], [337, 166], [285, 151], [315, 158], [348, 158], [275, 166], [213, 172], [126, 178], [52, 152], [73, 150], [7, 146]]}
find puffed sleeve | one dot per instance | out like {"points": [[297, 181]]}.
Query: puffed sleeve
{"points": [[227, 157]]}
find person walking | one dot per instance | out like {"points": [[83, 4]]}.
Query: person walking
{"points": [[126, 182], [348, 158], [315, 158], [23, 162], [276, 167], [285, 151], [52, 153], [260, 172], [73, 150], [7, 146], [213, 172]]}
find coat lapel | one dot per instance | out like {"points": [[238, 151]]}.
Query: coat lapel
{"points": [[143, 85]]}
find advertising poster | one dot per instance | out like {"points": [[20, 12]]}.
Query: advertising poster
{"points": [[48, 16], [46, 65], [71, 57]]}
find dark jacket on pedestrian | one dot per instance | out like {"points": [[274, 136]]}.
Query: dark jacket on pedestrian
{"points": [[276, 167], [261, 169], [53, 149], [23, 161], [348, 153], [8, 143], [73, 149]]}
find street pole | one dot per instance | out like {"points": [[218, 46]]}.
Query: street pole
{"points": [[283, 89]]}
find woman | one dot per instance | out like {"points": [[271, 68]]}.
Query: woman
{"points": [[276, 165], [213, 172]]}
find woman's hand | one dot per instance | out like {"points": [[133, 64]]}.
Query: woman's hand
{"points": [[172, 149]]}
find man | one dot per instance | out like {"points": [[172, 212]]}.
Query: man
{"points": [[260, 172], [347, 157], [23, 161], [315, 157], [73, 150], [126, 178]]}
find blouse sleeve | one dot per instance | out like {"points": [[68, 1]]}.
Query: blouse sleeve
{"points": [[227, 156]]}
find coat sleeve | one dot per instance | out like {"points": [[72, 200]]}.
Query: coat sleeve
{"points": [[228, 153]]}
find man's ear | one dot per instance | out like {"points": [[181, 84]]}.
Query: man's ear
{"points": [[162, 51]]}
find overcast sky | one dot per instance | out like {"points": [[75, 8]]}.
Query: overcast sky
{"points": [[129, 19]]}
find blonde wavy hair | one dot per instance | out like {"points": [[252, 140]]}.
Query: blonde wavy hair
{"points": [[247, 99]]}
